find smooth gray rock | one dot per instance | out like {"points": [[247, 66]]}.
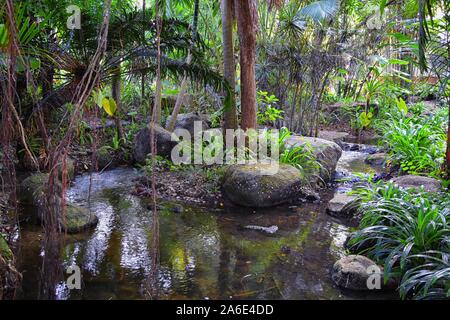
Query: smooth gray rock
{"points": [[187, 120], [416, 182], [335, 136], [327, 153], [253, 185], [342, 205], [352, 272], [142, 145]]}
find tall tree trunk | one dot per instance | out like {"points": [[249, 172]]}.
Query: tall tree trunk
{"points": [[447, 161], [231, 121], [156, 114], [184, 82], [115, 92], [247, 19]]}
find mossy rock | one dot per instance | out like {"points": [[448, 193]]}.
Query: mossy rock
{"points": [[5, 251], [327, 153], [78, 219], [32, 189], [262, 185]]}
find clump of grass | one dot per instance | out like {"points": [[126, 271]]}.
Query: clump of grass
{"points": [[409, 233]]}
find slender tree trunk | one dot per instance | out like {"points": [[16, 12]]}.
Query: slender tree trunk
{"points": [[156, 114], [247, 19], [183, 88], [116, 95], [231, 121], [447, 161], [144, 5]]}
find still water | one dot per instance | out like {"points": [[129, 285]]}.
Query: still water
{"points": [[204, 253]]}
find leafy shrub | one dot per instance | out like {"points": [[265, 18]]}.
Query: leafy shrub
{"points": [[409, 233], [300, 157], [417, 142], [270, 113]]}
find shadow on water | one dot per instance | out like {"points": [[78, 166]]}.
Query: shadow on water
{"points": [[203, 253]]}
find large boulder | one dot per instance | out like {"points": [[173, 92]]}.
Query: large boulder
{"points": [[73, 218], [335, 136], [327, 153], [187, 121], [417, 182], [353, 272], [262, 185], [342, 205], [142, 145]]}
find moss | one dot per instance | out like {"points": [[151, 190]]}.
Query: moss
{"points": [[78, 219], [5, 251]]}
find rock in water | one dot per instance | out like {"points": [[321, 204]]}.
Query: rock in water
{"points": [[262, 185], [78, 219], [327, 153], [376, 159], [342, 205], [353, 272], [142, 146], [417, 182], [74, 218]]}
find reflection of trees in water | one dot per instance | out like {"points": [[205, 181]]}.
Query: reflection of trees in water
{"points": [[51, 271]]}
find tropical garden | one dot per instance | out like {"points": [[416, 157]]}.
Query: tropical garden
{"points": [[117, 164]]}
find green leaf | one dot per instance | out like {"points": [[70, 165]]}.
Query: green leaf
{"points": [[109, 105], [3, 35], [382, 6], [398, 61]]}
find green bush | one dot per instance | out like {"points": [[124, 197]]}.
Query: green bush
{"points": [[409, 233], [416, 142]]}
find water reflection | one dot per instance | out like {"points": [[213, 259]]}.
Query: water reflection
{"points": [[203, 254]]}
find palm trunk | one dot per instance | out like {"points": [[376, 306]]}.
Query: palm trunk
{"points": [[247, 26], [115, 92], [229, 67], [183, 88], [447, 160]]}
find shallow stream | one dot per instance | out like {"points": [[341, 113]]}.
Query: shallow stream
{"points": [[204, 253]]}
